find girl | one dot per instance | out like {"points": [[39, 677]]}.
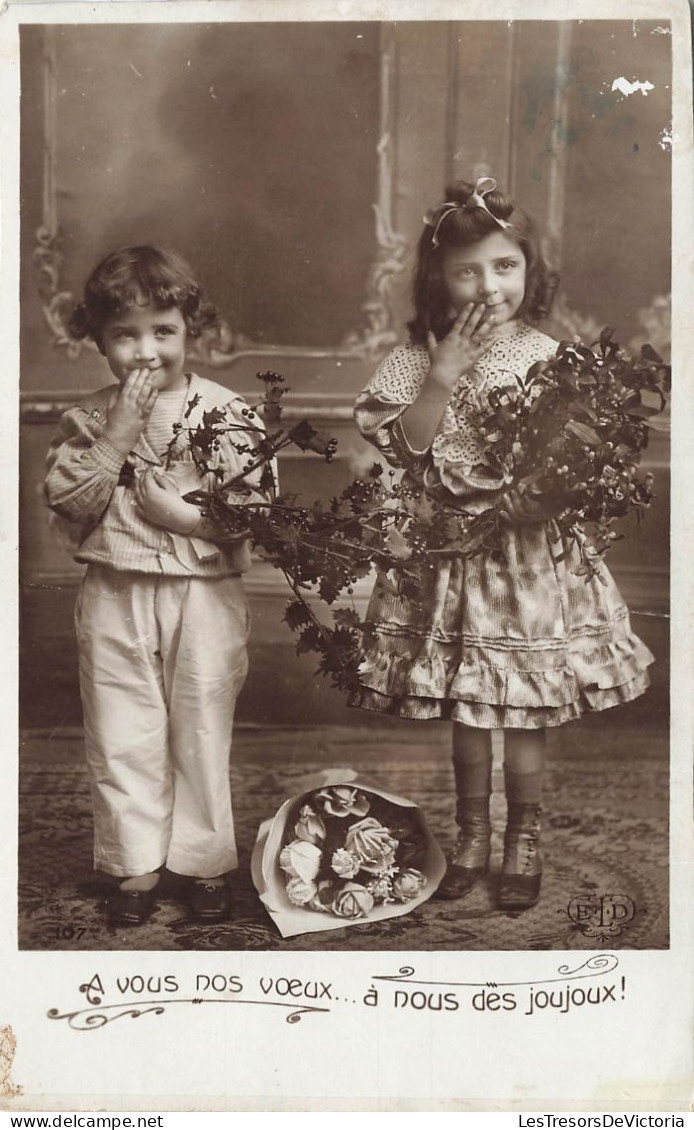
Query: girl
{"points": [[161, 618], [517, 644]]}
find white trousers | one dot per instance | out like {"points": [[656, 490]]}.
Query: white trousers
{"points": [[162, 661]]}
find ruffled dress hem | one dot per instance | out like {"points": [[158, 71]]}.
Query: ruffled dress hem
{"points": [[486, 716], [435, 685]]}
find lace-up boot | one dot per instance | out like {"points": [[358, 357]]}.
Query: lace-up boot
{"points": [[469, 859]]}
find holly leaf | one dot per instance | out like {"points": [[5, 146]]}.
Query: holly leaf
{"points": [[397, 545], [270, 380], [306, 437], [580, 408], [584, 433], [642, 412], [648, 353], [347, 618], [297, 615], [606, 338], [272, 413], [361, 568], [341, 508], [267, 478], [310, 639], [192, 403], [329, 589]]}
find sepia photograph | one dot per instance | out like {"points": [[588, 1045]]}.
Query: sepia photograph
{"points": [[486, 600], [344, 511]]}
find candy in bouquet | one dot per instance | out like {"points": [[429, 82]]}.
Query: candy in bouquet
{"points": [[344, 852]]}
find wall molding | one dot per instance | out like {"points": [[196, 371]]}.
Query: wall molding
{"points": [[645, 588], [559, 149], [45, 406], [262, 580]]}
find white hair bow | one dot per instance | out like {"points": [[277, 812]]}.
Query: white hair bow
{"points": [[435, 217]]}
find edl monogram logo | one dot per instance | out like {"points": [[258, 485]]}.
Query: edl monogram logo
{"points": [[601, 915]]}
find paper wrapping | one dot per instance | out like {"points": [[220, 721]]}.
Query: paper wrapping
{"points": [[270, 879]]}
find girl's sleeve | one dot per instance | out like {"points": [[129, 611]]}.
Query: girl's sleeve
{"points": [[82, 468], [379, 409], [455, 459], [460, 454]]}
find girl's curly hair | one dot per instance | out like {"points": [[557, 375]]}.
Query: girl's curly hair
{"points": [[137, 275], [463, 226]]}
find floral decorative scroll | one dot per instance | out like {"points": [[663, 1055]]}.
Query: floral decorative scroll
{"points": [[55, 301]]}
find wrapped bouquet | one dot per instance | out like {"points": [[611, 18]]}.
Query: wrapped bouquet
{"points": [[341, 852]]}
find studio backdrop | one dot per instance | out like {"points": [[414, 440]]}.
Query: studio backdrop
{"points": [[292, 163]]}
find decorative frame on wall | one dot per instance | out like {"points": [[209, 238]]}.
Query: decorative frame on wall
{"points": [[368, 340]]}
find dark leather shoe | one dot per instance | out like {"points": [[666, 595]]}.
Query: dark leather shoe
{"points": [[209, 902], [459, 881], [130, 908], [519, 892]]}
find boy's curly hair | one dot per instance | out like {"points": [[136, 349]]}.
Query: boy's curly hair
{"points": [[465, 225], [137, 275]]}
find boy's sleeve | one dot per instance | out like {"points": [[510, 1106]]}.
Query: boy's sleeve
{"points": [[257, 487], [82, 467], [260, 485]]}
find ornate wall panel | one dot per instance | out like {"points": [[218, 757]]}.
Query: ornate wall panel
{"points": [[262, 152]]}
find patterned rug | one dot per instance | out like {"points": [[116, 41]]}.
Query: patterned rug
{"points": [[605, 846]]}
